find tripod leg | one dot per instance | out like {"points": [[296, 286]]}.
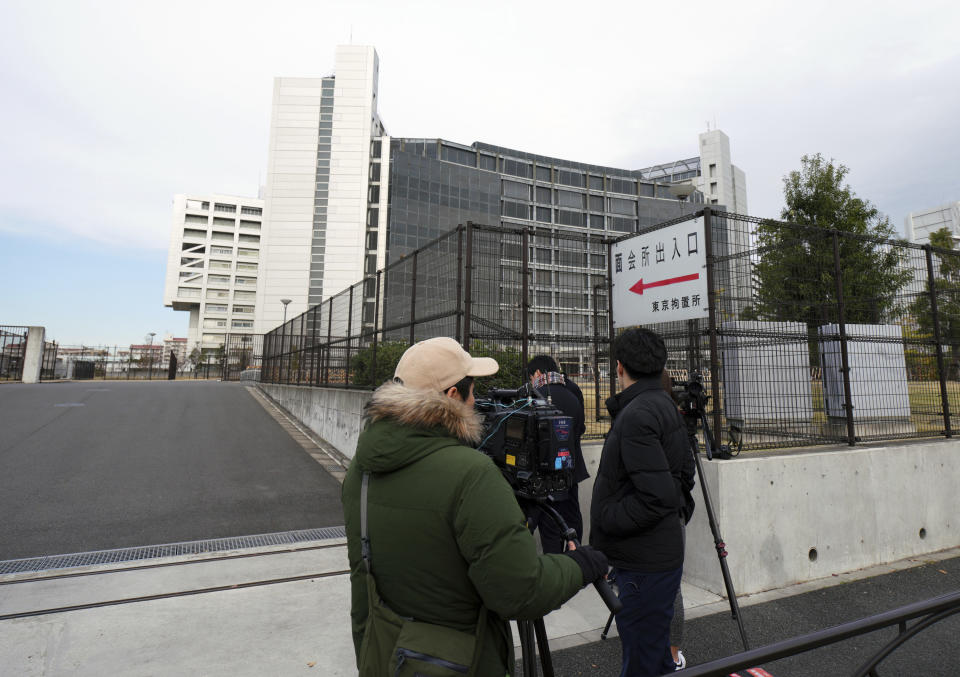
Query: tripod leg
{"points": [[528, 654], [606, 628], [717, 538], [546, 662]]}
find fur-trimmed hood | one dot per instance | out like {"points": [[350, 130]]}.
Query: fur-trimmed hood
{"points": [[418, 416]]}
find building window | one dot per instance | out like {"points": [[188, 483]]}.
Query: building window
{"points": [[543, 214], [515, 210], [626, 186], [228, 251], [596, 203], [517, 168], [373, 194], [458, 156], [375, 148], [251, 211], [250, 225], [197, 204], [215, 308], [543, 174], [195, 218], [596, 182], [222, 265], [488, 162], [242, 324], [374, 171], [245, 281], [244, 310], [544, 195], [249, 253], [229, 223], [596, 221], [246, 238], [244, 295], [567, 198], [194, 233], [247, 266], [646, 189], [224, 236], [520, 191], [217, 207], [570, 178], [568, 218], [713, 170], [713, 187]]}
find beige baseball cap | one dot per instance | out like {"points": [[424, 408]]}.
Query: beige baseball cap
{"points": [[439, 364]]}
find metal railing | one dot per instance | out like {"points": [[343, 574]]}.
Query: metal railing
{"points": [[929, 612]]}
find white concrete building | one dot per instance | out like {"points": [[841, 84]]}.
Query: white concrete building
{"points": [[919, 225], [213, 265], [318, 186]]}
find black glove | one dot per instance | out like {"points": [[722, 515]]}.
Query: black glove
{"points": [[593, 563]]}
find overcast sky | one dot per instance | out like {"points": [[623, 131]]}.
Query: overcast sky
{"points": [[110, 108]]}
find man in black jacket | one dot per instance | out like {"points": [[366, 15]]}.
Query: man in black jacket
{"points": [[546, 377], [638, 498]]}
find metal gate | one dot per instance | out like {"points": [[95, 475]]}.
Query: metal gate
{"points": [[13, 349]]}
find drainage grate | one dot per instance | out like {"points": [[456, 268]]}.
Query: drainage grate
{"points": [[14, 566]]}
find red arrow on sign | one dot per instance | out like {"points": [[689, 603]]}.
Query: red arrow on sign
{"points": [[640, 286]]}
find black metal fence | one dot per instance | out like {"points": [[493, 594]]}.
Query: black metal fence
{"points": [[813, 336], [816, 336], [502, 292], [13, 348]]}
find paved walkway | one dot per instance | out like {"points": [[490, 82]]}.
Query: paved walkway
{"points": [[284, 610]]}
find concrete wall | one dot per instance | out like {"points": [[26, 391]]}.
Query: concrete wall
{"points": [[332, 413], [855, 507]]}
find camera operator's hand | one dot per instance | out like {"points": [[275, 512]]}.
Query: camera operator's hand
{"points": [[593, 563]]}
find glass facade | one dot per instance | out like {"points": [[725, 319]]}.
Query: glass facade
{"points": [[321, 193]]}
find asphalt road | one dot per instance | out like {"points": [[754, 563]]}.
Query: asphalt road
{"points": [[97, 465], [934, 652]]}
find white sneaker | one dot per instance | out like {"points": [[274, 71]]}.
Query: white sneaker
{"points": [[681, 661]]}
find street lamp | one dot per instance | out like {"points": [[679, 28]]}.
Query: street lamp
{"points": [[152, 334], [285, 302], [682, 191]]}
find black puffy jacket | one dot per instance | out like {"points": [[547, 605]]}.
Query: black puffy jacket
{"points": [[638, 494]]}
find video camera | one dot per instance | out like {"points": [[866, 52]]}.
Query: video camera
{"points": [[692, 399], [530, 440]]}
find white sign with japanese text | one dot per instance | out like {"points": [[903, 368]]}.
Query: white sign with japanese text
{"points": [[660, 276]]}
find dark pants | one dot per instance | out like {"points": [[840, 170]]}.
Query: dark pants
{"points": [[644, 623], [551, 538]]}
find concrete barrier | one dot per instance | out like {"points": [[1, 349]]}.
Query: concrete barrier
{"points": [[332, 413], [787, 518], [33, 358]]}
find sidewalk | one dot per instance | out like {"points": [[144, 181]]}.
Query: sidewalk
{"points": [[276, 610]]}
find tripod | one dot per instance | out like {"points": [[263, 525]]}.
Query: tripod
{"points": [[535, 629], [692, 412]]}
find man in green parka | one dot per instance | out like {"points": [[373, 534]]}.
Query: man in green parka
{"points": [[447, 537]]}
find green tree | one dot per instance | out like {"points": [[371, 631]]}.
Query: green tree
{"points": [[388, 354], [510, 374], [794, 278], [947, 286]]}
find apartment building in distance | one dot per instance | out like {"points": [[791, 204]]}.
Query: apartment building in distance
{"points": [[213, 266], [920, 224]]}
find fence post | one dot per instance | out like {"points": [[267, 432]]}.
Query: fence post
{"points": [[596, 352], [314, 349], [712, 326], [935, 317], [844, 356], [413, 297], [460, 283], [346, 373], [468, 288], [376, 318], [326, 351], [613, 360], [524, 297]]}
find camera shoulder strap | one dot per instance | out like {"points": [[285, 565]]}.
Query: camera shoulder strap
{"points": [[364, 538]]}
